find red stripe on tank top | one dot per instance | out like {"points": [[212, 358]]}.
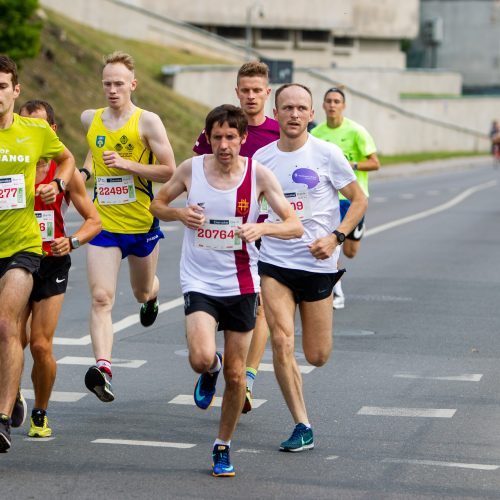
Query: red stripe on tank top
{"points": [[242, 209]]}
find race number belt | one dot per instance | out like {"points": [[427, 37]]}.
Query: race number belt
{"points": [[45, 219], [115, 190], [219, 234], [12, 192]]}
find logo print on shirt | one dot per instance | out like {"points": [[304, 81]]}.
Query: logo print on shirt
{"points": [[306, 176], [21, 140], [118, 147], [100, 140], [243, 206], [123, 139]]}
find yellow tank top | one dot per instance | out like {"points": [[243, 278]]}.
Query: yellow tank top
{"points": [[122, 199]]}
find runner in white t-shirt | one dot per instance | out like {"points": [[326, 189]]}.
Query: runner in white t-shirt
{"points": [[219, 260], [303, 271]]}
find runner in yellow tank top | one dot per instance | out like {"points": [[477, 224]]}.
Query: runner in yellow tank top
{"points": [[22, 142], [129, 149]]}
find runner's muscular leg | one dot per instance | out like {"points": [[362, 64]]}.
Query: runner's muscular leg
{"points": [[259, 340], [103, 264], [351, 248], [143, 280], [15, 289], [317, 338], [236, 346], [280, 308], [200, 336], [44, 319]]}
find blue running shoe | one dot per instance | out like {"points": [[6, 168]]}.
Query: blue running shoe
{"points": [[221, 466], [204, 390], [300, 440]]}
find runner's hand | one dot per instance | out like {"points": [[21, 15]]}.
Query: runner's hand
{"points": [[192, 216], [249, 232], [323, 248], [61, 246], [113, 160], [47, 193]]}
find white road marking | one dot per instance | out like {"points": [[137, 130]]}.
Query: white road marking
{"points": [[407, 196], [248, 450], [124, 323], [121, 363], [332, 457], [268, 367], [378, 199], [427, 213], [407, 412], [39, 440], [57, 396], [187, 399], [432, 192], [442, 464], [467, 377], [157, 444]]}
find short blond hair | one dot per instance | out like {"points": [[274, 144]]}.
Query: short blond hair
{"points": [[120, 57], [253, 68]]}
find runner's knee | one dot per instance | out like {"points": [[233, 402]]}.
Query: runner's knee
{"points": [[283, 345], [317, 358], [102, 299], [200, 361], [40, 348], [235, 377]]}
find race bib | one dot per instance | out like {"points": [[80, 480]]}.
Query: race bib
{"points": [[115, 190], [45, 219], [12, 192], [219, 234], [300, 203], [264, 207]]}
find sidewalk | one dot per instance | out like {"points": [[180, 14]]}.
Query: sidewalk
{"points": [[429, 167]]}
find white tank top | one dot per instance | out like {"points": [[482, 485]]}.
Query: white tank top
{"points": [[221, 273]]}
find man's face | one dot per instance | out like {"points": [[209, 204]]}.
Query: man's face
{"points": [[226, 143], [252, 91], [8, 93], [294, 111], [334, 105], [118, 83]]}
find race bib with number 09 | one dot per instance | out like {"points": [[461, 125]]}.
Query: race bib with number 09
{"points": [[300, 203], [115, 190], [12, 192], [219, 234]]}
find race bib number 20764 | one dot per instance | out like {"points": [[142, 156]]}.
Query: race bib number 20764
{"points": [[219, 234]]}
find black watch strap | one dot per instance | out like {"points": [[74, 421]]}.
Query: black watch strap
{"points": [[86, 172]]}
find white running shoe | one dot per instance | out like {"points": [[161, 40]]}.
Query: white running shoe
{"points": [[338, 301]]}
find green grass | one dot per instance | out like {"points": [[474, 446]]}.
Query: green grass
{"points": [[420, 157], [67, 73]]}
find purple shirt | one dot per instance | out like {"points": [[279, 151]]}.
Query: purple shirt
{"points": [[258, 137]]}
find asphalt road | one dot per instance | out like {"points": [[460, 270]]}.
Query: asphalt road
{"points": [[407, 408]]}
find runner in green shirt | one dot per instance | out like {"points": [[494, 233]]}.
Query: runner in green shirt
{"points": [[360, 150]]}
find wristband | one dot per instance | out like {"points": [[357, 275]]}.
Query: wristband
{"points": [[86, 172]]}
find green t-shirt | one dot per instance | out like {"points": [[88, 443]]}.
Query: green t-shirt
{"points": [[354, 141], [21, 146]]}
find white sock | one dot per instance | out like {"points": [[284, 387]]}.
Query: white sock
{"points": [[220, 441], [337, 289], [217, 367]]}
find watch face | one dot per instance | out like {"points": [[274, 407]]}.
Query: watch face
{"points": [[75, 242], [62, 185]]}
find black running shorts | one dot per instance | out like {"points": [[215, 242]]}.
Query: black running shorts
{"points": [[24, 260], [305, 285], [52, 278], [236, 312]]}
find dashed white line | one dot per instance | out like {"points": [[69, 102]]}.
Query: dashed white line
{"points": [[268, 367], [187, 399], [157, 444], [442, 464], [380, 411], [467, 377], [57, 396], [121, 363]]}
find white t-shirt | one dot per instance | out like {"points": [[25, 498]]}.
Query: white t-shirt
{"points": [[221, 272], [310, 177]]}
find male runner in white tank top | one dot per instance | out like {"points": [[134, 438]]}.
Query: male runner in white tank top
{"points": [[218, 270]]}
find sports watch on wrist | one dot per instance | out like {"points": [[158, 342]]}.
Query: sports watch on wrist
{"points": [[340, 236], [61, 185], [355, 165], [74, 242]]}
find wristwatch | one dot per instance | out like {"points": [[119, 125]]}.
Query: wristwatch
{"points": [[74, 242], [61, 185], [355, 165], [340, 236]]}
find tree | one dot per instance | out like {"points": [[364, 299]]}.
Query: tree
{"points": [[19, 29]]}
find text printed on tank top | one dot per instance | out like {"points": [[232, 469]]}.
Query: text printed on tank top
{"points": [[115, 190], [12, 192], [45, 219], [219, 234]]}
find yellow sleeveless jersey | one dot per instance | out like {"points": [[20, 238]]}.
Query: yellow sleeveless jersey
{"points": [[121, 198], [21, 146]]}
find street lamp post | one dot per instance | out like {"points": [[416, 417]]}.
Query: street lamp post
{"points": [[249, 11]]}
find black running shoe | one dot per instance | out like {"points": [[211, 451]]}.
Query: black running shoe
{"points": [[99, 383], [4, 434], [149, 312], [19, 411]]}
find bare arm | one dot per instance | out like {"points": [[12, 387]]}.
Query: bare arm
{"points": [[371, 162], [65, 169], [322, 248], [191, 216], [155, 136], [91, 225], [290, 225]]}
